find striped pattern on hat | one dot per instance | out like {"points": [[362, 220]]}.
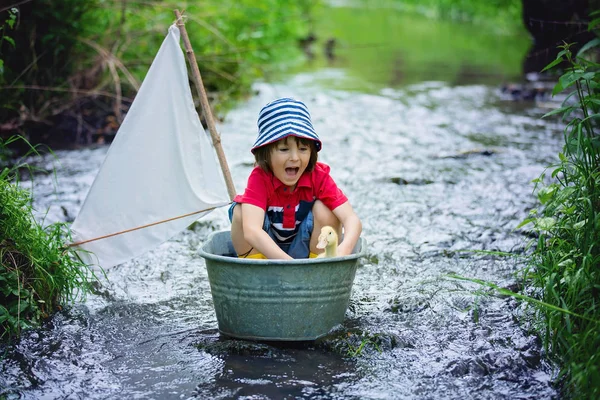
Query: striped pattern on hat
{"points": [[282, 118]]}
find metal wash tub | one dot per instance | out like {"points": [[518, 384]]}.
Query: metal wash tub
{"points": [[278, 300]]}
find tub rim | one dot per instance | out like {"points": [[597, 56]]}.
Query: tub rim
{"points": [[300, 261]]}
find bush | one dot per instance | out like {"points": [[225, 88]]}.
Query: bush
{"points": [[40, 55], [76, 65], [37, 273], [566, 259]]}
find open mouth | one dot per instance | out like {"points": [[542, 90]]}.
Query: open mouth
{"points": [[292, 172]]}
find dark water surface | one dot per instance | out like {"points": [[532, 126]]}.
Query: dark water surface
{"points": [[432, 169]]}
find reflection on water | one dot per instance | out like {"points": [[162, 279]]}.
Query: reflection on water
{"points": [[380, 46], [433, 169]]}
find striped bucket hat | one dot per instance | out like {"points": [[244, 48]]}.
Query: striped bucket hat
{"points": [[284, 117]]}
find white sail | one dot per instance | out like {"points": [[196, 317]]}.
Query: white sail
{"points": [[160, 165]]}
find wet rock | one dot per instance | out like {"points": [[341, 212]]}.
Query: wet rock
{"points": [[102, 291], [470, 153], [330, 49], [479, 366], [532, 357], [526, 343], [400, 305], [306, 44], [68, 216], [417, 182], [527, 91], [458, 368], [476, 366]]}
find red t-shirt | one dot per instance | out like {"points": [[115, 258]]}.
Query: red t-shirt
{"points": [[287, 209]]}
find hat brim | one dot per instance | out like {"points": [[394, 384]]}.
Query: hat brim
{"points": [[318, 144]]}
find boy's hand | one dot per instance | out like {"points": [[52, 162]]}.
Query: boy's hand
{"points": [[352, 228], [253, 217]]}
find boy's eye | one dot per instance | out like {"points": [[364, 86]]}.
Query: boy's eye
{"points": [[303, 148]]}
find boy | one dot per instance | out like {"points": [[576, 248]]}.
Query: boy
{"points": [[290, 196]]}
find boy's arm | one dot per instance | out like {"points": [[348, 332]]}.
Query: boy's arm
{"points": [[352, 228], [252, 222]]}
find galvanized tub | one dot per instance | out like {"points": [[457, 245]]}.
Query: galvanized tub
{"points": [[290, 300]]}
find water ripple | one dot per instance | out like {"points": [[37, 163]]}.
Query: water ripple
{"points": [[434, 171]]}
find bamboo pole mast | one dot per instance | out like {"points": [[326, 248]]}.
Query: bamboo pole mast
{"points": [[205, 106]]}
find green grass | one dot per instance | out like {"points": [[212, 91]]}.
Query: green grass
{"points": [[38, 274], [566, 260]]}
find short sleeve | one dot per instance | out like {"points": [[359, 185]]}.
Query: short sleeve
{"points": [[256, 190], [326, 189]]}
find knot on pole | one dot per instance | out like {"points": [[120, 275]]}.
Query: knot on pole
{"points": [[180, 16]]}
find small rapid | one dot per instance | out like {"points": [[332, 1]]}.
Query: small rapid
{"points": [[434, 171]]}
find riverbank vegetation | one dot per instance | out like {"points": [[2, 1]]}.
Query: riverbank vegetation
{"points": [[71, 68], [499, 15], [564, 264], [38, 274]]}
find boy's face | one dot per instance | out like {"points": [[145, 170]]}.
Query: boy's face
{"points": [[289, 159]]}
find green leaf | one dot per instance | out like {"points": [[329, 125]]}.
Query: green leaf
{"points": [[593, 116], [588, 76], [557, 171], [570, 78], [557, 88], [552, 64], [562, 52], [545, 224], [546, 194], [10, 40], [562, 158], [592, 43], [557, 111], [23, 306], [525, 222], [580, 224]]}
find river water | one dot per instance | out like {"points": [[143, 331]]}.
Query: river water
{"points": [[434, 169]]}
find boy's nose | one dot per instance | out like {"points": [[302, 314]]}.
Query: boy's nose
{"points": [[294, 154]]}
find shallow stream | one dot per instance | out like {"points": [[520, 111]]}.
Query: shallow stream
{"points": [[434, 170]]}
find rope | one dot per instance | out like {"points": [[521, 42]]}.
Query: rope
{"points": [[143, 226], [179, 21]]}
